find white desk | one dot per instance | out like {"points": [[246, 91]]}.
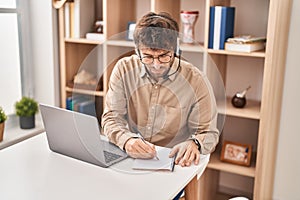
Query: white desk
{"points": [[30, 171]]}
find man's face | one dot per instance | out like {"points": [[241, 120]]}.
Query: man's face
{"points": [[157, 62]]}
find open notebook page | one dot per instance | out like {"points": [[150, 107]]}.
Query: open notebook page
{"points": [[164, 162]]}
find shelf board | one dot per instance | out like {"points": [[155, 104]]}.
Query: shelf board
{"points": [[183, 47], [192, 48], [250, 111], [217, 164], [82, 41], [13, 134], [260, 54], [123, 43], [83, 91]]}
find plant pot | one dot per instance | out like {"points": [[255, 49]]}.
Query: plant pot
{"points": [[27, 122], [1, 131]]}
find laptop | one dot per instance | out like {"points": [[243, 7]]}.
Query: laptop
{"points": [[77, 135]]}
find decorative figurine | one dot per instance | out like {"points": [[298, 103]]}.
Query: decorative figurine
{"points": [[239, 99], [188, 19]]}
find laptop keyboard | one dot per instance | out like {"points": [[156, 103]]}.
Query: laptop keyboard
{"points": [[109, 157]]}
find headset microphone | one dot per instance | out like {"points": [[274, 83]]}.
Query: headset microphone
{"points": [[178, 67]]}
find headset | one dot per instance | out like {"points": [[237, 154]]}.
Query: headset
{"points": [[177, 52]]}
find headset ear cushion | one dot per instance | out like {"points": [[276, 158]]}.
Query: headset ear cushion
{"points": [[178, 50]]}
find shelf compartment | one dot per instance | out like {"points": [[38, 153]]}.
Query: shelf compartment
{"points": [[217, 164], [259, 54], [250, 111], [83, 91]]}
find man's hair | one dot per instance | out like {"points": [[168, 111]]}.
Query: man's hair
{"points": [[156, 31]]}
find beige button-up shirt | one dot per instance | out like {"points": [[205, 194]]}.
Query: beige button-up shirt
{"points": [[165, 113]]}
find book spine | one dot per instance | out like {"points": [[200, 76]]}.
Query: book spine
{"points": [[226, 25], [217, 27], [211, 27], [67, 19], [69, 103], [72, 28], [76, 18], [87, 107]]}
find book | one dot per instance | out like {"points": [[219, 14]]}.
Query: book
{"points": [[71, 4], [246, 39], [221, 26], [69, 103], [67, 19], [95, 36], [84, 16], [87, 107], [77, 101], [164, 163], [244, 47]]}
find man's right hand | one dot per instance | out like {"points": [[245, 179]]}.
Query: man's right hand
{"points": [[137, 148]]}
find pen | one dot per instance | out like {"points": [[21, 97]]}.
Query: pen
{"points": [[142, 138]]}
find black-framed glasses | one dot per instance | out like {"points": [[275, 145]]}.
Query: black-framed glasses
{"points": [[165, 58]]}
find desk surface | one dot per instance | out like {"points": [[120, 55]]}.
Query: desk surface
{"points": [[30, 171]]}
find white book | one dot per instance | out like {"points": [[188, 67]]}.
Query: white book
{"points": [[164, 163], [84, 17], [67, 19], [217, 27], [247, 47]]}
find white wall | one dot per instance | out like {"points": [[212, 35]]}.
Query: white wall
{"points": [[43, 41], [287, 177]]}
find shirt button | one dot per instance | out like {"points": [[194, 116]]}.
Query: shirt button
{"points": [[149, 127], [153, 107], [156, 87]]}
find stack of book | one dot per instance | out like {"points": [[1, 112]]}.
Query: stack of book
{"points": [[245, 43], [97, 33]]}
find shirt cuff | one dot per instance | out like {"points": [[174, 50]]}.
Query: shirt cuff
{"points": [[124, 138]]}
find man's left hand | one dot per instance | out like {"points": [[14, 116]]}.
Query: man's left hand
{"points": [[187, 152]]}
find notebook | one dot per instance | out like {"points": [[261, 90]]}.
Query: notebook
{"points": [[77, 135], [164, 163]]}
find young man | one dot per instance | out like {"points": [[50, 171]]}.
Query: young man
{"points": [[155, 98]]}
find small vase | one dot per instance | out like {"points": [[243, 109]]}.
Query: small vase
{"points": [[188, 19], [239, 99], [27, 122], [1, 131]]}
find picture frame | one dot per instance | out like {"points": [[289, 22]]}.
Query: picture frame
{"points": [[236, 153], [130, 30]]}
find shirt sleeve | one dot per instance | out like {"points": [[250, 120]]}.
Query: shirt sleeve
{"points": [[202, 120], [114, 117]]}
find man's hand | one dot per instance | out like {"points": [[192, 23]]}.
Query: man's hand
{"points": [[137, 148], [187, 152]]}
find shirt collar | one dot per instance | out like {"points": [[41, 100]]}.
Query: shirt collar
{"points": [[143, 71]]}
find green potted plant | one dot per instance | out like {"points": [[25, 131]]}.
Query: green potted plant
{"points": [[3, 117], [26, 109]]}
